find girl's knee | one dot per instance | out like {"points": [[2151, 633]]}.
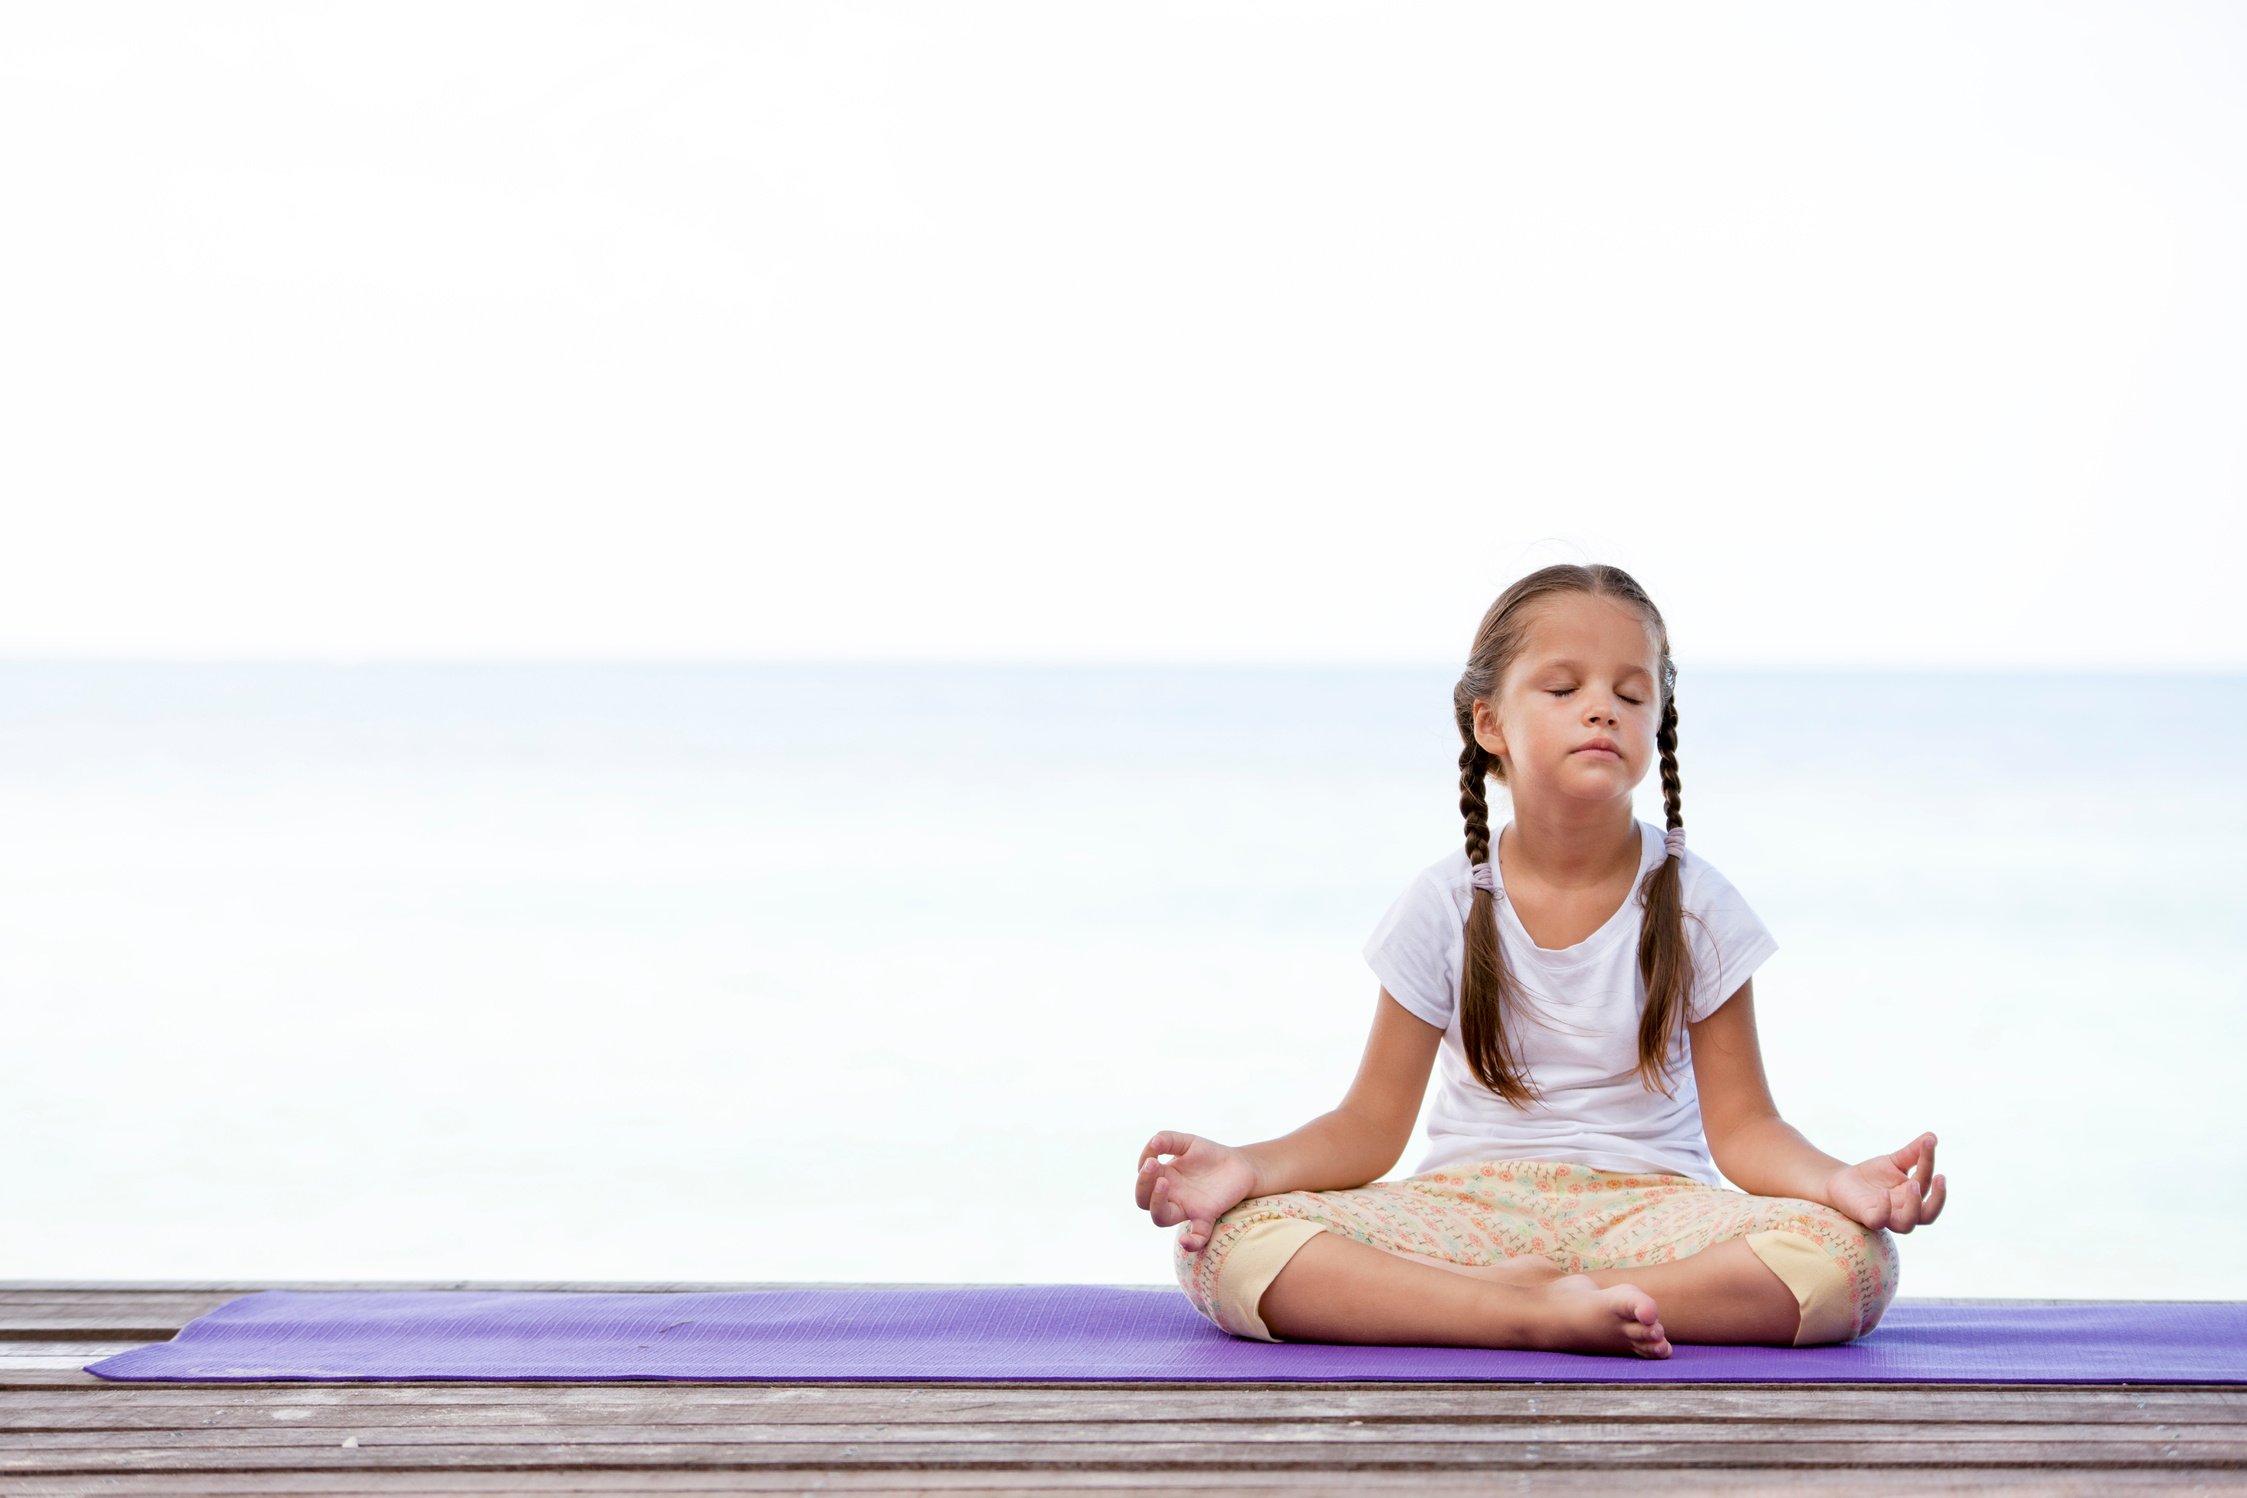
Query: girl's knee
{"points": [[1842, 1273], [1248, 1246]]}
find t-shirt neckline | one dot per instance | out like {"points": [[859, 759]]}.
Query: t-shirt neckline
{"points": [[1598, 941]]}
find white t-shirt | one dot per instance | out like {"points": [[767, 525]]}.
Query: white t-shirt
{"points": [[1579, 1044]]}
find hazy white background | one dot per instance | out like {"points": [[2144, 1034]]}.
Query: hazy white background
{"points": [[1238, 350], [1887, 334]]}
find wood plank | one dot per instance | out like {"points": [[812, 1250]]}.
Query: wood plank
{"points": [[1197, 1462], [1868, 1404], [1994, 1442], [969, 1482], [64, 1374], [92, 1327]]}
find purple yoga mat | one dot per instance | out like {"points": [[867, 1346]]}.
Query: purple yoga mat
{"points": [[1031, 1332]]}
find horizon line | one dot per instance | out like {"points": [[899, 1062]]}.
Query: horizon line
{"points": [[1096, 663]]}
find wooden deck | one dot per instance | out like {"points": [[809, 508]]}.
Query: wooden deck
{"points": [[65, 1431]]}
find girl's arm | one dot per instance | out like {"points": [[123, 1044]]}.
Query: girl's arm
{"points": [[1757, 1150], [1764, 1155], [1358, 1142]]}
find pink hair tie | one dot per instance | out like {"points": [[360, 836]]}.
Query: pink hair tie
{"points": [[1674, 841], [1483, 876]]}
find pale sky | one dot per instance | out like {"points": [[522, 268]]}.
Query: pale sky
{"points": [[1863, 334]]}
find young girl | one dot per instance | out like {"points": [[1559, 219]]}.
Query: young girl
{"points": [[1568, 969]]}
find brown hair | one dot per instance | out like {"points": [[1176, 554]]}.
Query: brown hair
{"points": [[1488, 991]]}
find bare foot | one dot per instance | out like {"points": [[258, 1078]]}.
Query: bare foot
{"points": [[1580, 1314], [1571, 1312]]}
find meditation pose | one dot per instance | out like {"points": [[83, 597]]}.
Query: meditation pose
{"points": [[1586, 982]]}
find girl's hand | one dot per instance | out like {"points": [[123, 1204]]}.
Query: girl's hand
{"points": [[1203, 1181], [1879, 1194]]}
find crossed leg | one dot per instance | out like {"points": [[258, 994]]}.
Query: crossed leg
{"points": [[1723, 1294], [1320, 1266], [1335, 1289]]}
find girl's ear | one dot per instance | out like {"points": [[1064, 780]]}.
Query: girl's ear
{"points": [[1486, 731]]}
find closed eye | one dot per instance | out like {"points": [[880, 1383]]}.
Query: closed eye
{"points": [[1564, 691]]}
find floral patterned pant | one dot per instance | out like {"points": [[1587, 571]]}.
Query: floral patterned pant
{"points": [[1843, 1275]]}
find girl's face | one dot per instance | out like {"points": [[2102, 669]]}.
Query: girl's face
{"points": [[1587, 673]]}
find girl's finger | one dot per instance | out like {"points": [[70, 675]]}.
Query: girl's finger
{"points": [[1164, 1143], [1903, 1209], [1912, 1153], [1934, 1201], [1169, 1142]]}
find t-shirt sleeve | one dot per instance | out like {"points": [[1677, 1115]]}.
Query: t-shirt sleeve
{"points": [[1416, 949], [1729, 943]]}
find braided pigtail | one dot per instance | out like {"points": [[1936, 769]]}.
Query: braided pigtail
{"points": [[1487, 991], [1665, 959]]}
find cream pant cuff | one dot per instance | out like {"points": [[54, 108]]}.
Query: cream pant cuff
{"points": [[1820, 1285]]}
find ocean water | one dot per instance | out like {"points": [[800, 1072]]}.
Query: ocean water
{"points": [[886, 973]]}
